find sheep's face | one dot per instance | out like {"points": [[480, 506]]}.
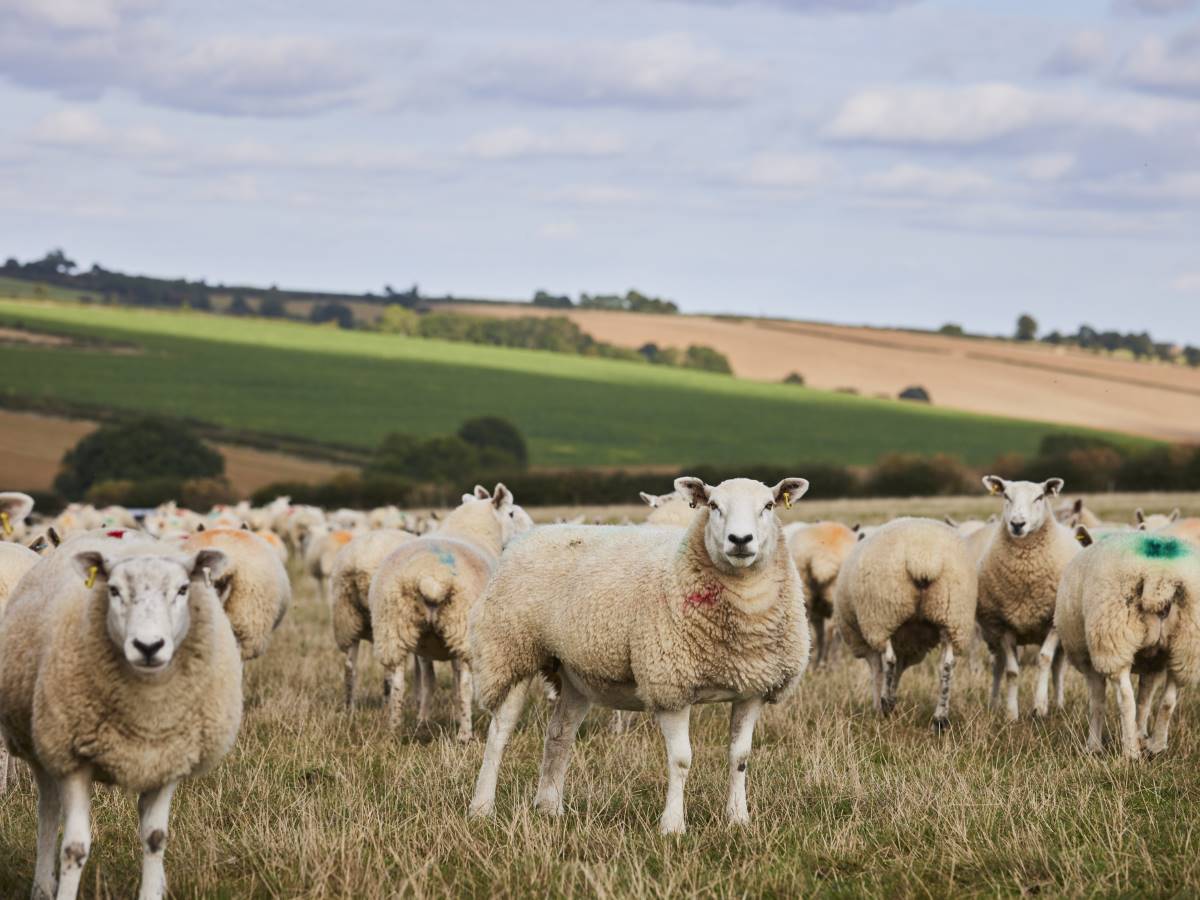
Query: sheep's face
{"points": [[657, 501], [742, 527], [1027, 504], [513, 519], [148, 601]]}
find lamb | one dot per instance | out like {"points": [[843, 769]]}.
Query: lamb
{"points": [[423, 592], [819, 551], [1130, 604], [349, 587], [119, 667], [1019, 572], [908, 587], [1154, 521], [639, 618], [254, 590], [668, 509]]}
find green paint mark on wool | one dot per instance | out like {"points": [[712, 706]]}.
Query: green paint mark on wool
{"points": [[1153, 547]]}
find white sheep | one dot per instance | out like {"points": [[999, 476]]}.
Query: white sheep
{"points": [[119, 667], [904, 590], [819, 550], [15, 508], [423, 592], [321, 547], [15, 561], [1154, 521], [668, 509], [655, 619], [1128, 605], [1019, 572]]}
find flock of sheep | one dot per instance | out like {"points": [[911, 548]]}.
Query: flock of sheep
{"points": [[122, 639]]}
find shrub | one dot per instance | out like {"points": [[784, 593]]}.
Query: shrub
{"points": [[135, 494], [1084, 469], [1158, 469], [398, 320], [915, 393], [338, 313], [794, 378], [150, 447], [907, 475], [699, 356], [494, 433]]}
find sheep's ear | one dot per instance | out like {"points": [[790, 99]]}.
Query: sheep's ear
{"points": [[1084, 536], [1175, 514], [790, 490], [994, 484], [467, 498], [1139, 516], [200, 528], [209, 564], [693, 490], [856, 527], [951, 521], [245, 526], [1053, 486], [38, 544], [91, 566], [482, 493], [1078, 506], [862, 535], [501, 497], [14, 507], [649, 499]]}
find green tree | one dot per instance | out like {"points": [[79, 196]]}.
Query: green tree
{"points": [[395, 319], [494, 433], [148, 448], [1027, 328]]}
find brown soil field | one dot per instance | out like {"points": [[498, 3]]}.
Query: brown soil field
{"points": [[1029, 381], [31, 447]]}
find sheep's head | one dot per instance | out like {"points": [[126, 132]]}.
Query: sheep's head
{"points": [[654, 501], [742, 528], [1026, 503], [14, 507], [513, 519], [149, 612]]}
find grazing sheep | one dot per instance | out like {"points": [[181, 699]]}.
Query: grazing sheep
{"points": [[1019, 572], [1130, 605], [119, 667], [819, 551], [1154, 521], [322, 547], [655, 619], [350, 586], [15, 508], [423, 592], [255, 591], [908, 587]]}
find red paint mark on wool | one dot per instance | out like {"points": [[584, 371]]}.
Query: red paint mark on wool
{"points": [[117, 533], [706, 596]]}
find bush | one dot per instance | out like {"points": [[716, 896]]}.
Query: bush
{"points": [[1088, 469], [447, 459], [398, 320], [494, 433], [135, 494], [205, 493], [1158, 469], [915, 393], [907, 475], [338, 313], [146, 448], [794, 378], [699, 356], [350, 491]]}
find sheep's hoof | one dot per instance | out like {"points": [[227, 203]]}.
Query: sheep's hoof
{"points": [[887, 707], [481, 809], [941, 726], [465, 737], [670, 828], [549, 806]]}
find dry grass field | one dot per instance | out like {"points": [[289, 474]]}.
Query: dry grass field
{"points": [[318, 803], [1030, 381]]}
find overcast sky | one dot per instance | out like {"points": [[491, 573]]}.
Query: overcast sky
{"points": [[875, 161]]}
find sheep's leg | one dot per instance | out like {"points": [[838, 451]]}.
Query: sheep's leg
{"points": [[1147, 686], [154, 808], [462, 696], [1162, 718], [674, 725], [569, 713], [875, 664], [941, 713], [49, 813], [620, 721], [818, 627], [891, 678], [395, 698], [500, 729], [1012, 669], [75, 792], [351, 671], [743, 715], [424, 688], [1096, 690], [1131, 747], [1041, 692], [3, 770], [1060, 679], [997, 676]]}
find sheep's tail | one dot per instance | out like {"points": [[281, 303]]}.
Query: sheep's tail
{"points": [[432, 589], [924, 571]]}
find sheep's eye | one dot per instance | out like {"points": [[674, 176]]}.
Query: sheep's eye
{"points": [[1041, 498], [770, 506], [114, 593], [182, 592], [714, 507]]}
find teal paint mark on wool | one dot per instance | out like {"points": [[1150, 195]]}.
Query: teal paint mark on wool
{"points": [[1154, 547]]}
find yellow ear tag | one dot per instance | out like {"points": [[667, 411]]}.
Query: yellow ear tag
{"points": [[7, 526], [91, 579], [787, 499]]}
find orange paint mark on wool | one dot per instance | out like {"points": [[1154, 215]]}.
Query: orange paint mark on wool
{"points": [[705, 596], [342, 537]]}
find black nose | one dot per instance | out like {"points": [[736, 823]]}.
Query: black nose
{"points": [[741, 540], [1018, 527], [148, 650]]}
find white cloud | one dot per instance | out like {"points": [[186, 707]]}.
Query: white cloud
{"points": [[1084, 51], [1155, 7], [1186, 283], [667, 71], [788, 171], [74, 15], [914, 180], [1171, 68], [983, 113], [598, 195], [522, 143], [559, 231], [75, 127], [813, 6], [1048, 166]]}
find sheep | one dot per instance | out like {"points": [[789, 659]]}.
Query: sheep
{"points": [[422, 593], [1130, 604], [254, 590], [819, 551], [668, 509], [1019, 572], [1155, 521], [349, 587], [15, 508], [15, 561], [1076, 513], [908, 587], [638, 618], [321, 549], [1187, 528], [119, 667]]}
